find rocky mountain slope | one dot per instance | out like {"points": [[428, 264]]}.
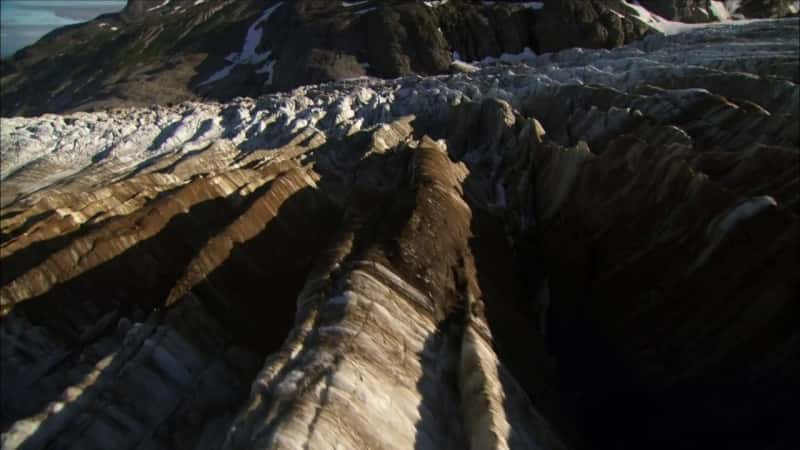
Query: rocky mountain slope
{"points": [[588, 249], [169, 51]]}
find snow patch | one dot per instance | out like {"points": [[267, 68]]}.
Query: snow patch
{"points": [[722, 11], [719, 10], [248, 54], [744, 211], [733, 5], [166, 2], [512, 58], [465, 67]]}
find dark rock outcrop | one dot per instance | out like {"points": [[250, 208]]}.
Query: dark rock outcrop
{"points": [[768, 8], [587, 24], [167, 52]]}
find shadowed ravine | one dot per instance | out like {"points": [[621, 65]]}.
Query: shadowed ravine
{"points": [[591, 250]]}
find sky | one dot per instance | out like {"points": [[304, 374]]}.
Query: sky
{"points": [[23, 22]]}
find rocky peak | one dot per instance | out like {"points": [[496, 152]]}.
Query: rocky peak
{"points": [[167, 51], [139, 9]]}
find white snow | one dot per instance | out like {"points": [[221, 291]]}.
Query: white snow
{"points": [[534, 5], [744, 211], [64, 145], [719, 10], [358, 4], [267, 68], [248, 54], [659, 23], [513, 58], [620, 15], [166, 2], [462, 66], [220, 74], [722, 11], [732, 5], [510, 58]]}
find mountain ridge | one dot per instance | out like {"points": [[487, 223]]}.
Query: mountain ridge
{"points": [[161, 52]]}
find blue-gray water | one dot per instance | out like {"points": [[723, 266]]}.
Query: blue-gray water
{"points": [[23, 22]]}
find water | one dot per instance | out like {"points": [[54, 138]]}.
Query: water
{"points": [[23, 22]]}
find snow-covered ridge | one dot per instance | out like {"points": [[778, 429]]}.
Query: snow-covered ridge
{"points": [[253, 39]]}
